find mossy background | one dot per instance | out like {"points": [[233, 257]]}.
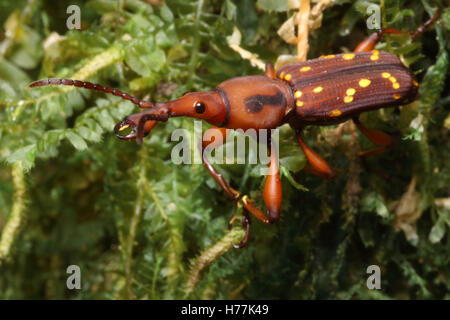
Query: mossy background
{"points": [[141, 227]]}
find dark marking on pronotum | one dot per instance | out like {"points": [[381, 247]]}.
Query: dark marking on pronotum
{"points": [[256, 102]]}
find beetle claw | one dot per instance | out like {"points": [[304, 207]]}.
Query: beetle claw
{"points": [[246, 225]]}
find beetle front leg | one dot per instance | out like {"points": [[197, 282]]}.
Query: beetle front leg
{"points": [[318, 166], [272, 194], [232, 194], [272, 189]]}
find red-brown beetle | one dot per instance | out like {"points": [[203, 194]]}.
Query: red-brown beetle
{"points": [[323, 91]]}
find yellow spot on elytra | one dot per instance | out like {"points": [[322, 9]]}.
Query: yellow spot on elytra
{"points": [[305, 69], [348, 99], [328, 56], [392, 79], [299, 103], [335, 113], [287, 77], [364, 82], [350, 91], [385, 75], [318, 89], [396, 85], [348, 56], [397, 96], [415, 83], [124, 127], [282, 75], [298, 94], [375, 56]]}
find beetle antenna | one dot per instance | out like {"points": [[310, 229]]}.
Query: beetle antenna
{"points": [[92, 86]]}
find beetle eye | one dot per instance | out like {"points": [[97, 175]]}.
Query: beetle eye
{"points": [[200, 107]]}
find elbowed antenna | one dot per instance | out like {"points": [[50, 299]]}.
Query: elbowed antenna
{"points": [[137, 122], [92, 86]]}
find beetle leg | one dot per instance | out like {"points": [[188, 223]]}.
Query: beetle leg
{"points": [[318, 166], [272, 193], [270, 71], [377, 137], [369, 43], [232, 194], [374, 152]]}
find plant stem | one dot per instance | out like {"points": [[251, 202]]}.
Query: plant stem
{"points": [[135, 219], [210, 255], [14, 222]]}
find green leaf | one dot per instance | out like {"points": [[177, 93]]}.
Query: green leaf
{"points": [[25, 156], [166, 14], [157, 59], [375, 202], [293, 163], [437, 231], [88, 134], [14, 75], [230, 9], [105, 120], [136, 61], [76, 140], [247, 19], [50, 108], [285, 172], [273, 5]]}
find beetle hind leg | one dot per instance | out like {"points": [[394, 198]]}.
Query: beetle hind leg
{"points": [[370, 42], [379, 138], [317, 165]]}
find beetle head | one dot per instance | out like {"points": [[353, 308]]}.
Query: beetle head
{"points": [[207, 106]]}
